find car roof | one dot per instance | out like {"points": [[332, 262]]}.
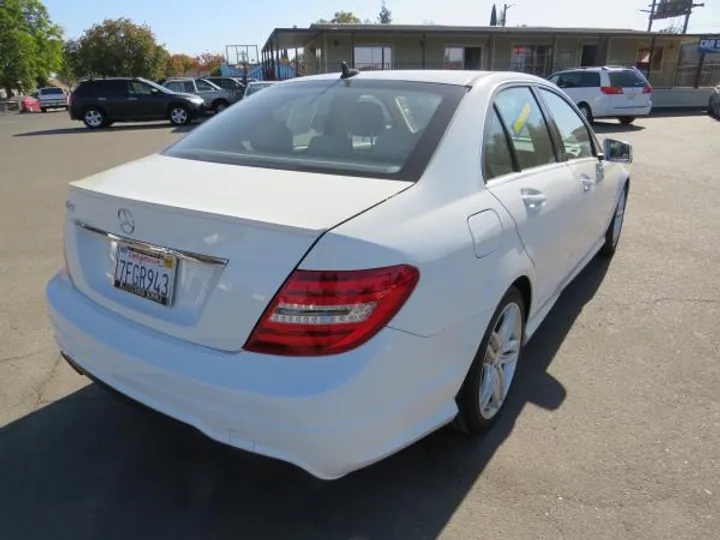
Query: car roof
{"points": [[597, 69], [450, 77]]}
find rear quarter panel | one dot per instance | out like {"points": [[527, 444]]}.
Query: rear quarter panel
{"points": [[427, 226]]}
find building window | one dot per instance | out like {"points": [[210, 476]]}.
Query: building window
{"points": [[373, 57], [643, 58], [534, 59], [454, 57]]}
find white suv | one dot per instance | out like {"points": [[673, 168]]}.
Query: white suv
{"points": [[607, 92]]}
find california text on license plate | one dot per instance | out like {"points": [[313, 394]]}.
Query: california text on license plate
{"points": [[145, 273]]}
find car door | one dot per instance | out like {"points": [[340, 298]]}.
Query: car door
{"points": [[115, 99], [207, 91], [148, 101], [537, 189], [579, 151]]}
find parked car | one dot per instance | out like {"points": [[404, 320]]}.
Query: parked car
{"points": [[325, 277], [607, 92], [231, 84], [714, 103], [216, 99], [256, 86], [52, 98], [29, 104], [102, 102]]}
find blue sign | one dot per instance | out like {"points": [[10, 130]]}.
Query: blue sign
{"points": [[711, 45]]}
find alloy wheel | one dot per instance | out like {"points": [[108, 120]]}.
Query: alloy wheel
{"points": [[501, 357]]}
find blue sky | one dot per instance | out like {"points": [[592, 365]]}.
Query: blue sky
{"points": [[195, 26]]}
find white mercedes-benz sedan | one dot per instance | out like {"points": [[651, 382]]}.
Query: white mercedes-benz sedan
{"points": [[330, 271]]}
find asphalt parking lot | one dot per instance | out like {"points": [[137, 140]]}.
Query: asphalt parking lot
{"points": [[613, 430]]}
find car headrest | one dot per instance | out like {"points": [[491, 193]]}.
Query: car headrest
{"points": [[367, 119], [271, 137]]}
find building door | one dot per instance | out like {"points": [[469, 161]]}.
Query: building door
{"points": [[473, 58], [589, 54]]}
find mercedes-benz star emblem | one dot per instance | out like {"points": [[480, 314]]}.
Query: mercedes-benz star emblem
{"points": [[126, 221]]}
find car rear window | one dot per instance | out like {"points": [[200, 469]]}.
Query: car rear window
{"points": [[626, 79], [89, 88], [357, 127], [579, 79], [52, 91]]}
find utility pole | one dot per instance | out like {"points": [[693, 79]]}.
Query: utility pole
{"points": [[687, 16], [503, 14], [682, 7]]}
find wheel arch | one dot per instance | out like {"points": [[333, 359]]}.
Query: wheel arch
{"points": [[524, 285], [219, 100], [174, 104]]}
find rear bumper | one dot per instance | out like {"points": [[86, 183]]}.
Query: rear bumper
{"points": [[615, 112], [329, 416]]}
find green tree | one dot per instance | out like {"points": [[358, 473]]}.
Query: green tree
{"points": [[341, 17], [385, 16], [119, 47], [30, 44]]}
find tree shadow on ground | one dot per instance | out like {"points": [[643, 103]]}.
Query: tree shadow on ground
{"points": [[89, 467]]}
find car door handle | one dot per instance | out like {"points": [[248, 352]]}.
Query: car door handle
{"points": [[102, 99], [587, 182], [533, 198], [132, 99]]}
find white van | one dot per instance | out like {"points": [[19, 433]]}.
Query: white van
{"points": [[607, 92]]}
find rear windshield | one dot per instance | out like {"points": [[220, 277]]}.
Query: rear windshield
{"points": [[627, 79], [379, 129], [53, 91]]}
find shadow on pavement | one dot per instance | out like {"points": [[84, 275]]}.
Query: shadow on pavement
{"points": [[615, 127], [89, 467], [82, 130]]}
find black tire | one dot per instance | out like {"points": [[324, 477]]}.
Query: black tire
{"points": [[611, 241], [176, 119], [66, 108], [586, 112], [219, 105], [626, 120], [94, 118], [43, 109], [469, 419]]}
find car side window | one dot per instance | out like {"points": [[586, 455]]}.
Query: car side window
{"points": [[140, 88], [202, 86], [521, 114], [497, 155], [576, 138], [188, 86], [116, 89], [590, 79]]}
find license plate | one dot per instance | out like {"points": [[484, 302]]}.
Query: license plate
{"points": [[146, 274], [631, 96]]}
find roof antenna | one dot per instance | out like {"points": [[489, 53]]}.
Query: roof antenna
{"points": [[347, 72]]}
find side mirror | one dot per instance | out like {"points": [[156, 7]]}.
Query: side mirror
{"points": [[617, 151]]}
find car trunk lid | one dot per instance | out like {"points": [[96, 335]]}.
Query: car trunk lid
{"points": [[229, 235]]}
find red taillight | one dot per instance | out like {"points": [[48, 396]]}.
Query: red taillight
{"points": [[329, 312], [612, 90], [647, 89]]}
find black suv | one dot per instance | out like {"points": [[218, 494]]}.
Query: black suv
{"points": [[101, 102]]}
